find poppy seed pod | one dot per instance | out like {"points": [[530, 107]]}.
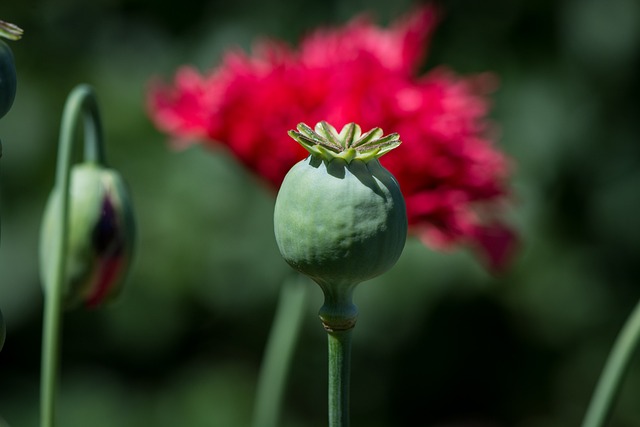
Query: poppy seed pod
{"points": [[339, 216], [100, 235], [8, 79]]}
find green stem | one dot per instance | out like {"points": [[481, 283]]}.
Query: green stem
{"points": [[339, 377], [80, 101], [338, 316], [279, 351], [610, 381]]}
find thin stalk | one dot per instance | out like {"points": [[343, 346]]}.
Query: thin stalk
{"points": [[609, 384], [80, 101], [339, 377], [338, 316], [51, 349], [279, 350]]}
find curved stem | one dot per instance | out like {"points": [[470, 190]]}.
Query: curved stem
{"points": [[279, 351], [81, 100], [610, 381]]}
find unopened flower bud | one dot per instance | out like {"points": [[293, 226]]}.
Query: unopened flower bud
{"points": [[100, 235]]}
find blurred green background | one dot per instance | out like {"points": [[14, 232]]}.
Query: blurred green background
{"points": [[439, 342]]}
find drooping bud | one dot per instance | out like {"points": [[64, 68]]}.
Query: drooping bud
{"points": [[100, 235]]}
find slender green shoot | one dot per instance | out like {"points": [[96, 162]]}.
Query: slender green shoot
{"points": [[279, 351], [610, 382]]}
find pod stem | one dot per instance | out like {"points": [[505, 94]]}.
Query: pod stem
{"points": [[609, 384], [338, 316], [339, 377], [80, 102], [279, 350]]}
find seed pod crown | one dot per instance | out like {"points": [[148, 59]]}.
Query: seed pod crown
{"points": [[349, 144]]}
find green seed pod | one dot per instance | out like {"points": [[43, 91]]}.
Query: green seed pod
{"points": [[100, 237], [340, 216], [8, 79]]}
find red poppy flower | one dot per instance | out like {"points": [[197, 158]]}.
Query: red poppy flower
{"points": [[452, 176]]}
